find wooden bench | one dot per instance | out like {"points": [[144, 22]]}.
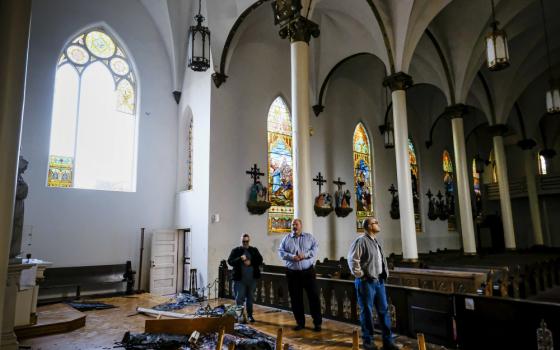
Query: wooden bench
{"points": [[60, 280]]}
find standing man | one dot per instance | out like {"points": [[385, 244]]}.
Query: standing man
{"points": [[298, 250], [369, 265], [246, 262]]}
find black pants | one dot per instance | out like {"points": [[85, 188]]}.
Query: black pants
{"points": [[297, 282]]}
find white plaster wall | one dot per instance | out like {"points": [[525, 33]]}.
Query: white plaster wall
{"points": [[192, 206], [73, 227], [258, 72]]}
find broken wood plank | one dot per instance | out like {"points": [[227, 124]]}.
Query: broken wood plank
{"points": [[187, 326]]}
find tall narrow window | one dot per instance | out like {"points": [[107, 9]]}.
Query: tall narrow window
{"points": [[190, 156], [280, 167], [477, 192], [415, 176], [492, 161], [542, 165], [362, 175], [449, 189], [93, 130]]}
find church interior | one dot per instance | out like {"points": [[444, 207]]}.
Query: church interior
{"points": [[141, 138]]}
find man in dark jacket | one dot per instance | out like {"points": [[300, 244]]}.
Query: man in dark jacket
{"points": [[246, 262]]}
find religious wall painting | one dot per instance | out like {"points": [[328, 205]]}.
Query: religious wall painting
{"points": [[415, 178], [449, 190], [280, 167], [93, 116], [363, 187]]}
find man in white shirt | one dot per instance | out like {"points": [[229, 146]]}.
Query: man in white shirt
{"points": [[369, 265]]}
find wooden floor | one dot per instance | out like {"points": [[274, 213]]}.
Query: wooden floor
{"points": [[105, 327]]}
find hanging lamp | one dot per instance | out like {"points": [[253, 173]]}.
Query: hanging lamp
{"points": [[497, 52], [199, 44]]}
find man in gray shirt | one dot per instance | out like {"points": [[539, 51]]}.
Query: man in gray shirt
{"points": [[369, 265]]}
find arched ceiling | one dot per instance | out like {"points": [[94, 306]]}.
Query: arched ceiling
{"points": [[395, 32]]}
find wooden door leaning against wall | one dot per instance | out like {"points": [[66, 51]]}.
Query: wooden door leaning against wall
{"points": [[163, 263]]}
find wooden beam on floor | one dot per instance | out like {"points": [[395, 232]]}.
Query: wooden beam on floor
{"points": [[187, 326]]}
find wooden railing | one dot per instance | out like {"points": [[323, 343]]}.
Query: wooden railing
{"points": [[546, 185], [451, 319]]}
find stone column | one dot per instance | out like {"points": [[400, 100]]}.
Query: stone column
{"points": [[456, 112], [530, 170], [14, 23], [398, 83], [503, 184], [299, 30], [8, 340]]}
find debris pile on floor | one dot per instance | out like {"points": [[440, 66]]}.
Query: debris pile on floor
{"points": [[179, 302], [89, 305], [244, 338]]}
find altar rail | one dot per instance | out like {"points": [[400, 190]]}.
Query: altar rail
{"points": [[446, 318]]}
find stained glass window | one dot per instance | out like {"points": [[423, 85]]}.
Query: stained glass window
{"points": [[93, 130], [477, 192], [362, 175], [280, 167], [449, 190], [415, 176], [542, 165], [190, 156]]}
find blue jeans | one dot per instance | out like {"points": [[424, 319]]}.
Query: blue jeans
{"points": [[370, 293], [245, 290]]}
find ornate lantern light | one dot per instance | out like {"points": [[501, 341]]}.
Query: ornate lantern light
{"points": [[285, 10], [553, 93], [389, 136], [199, 44], [497, 52]]}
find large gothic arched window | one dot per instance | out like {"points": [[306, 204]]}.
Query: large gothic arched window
{"points": [[280, 167], [93, 130], [362, 175], [415, 175], [449, 189]]}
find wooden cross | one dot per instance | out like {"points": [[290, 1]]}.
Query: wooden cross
{"points": [[429, 194], [320, 180], [339, 183], [393, 190], [255, 173]]}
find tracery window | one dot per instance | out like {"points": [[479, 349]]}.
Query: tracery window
{"points": [[415, 177], [542, 165], [362, 175], [93, 130], [280, 167], [449, 190], [477, 192]]}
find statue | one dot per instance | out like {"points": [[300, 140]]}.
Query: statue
{"points": [[342, 200], [21, 194], [258, 194], [432, 211], [394, 212], [323, 202]]}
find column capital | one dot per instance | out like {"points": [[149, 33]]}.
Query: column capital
{"points": [[398, 81], [526, 144], [457, 110], [300, 29], [498, 129]]}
